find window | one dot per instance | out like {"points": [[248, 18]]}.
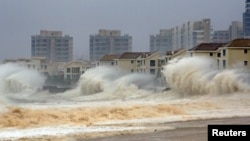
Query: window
{"points": [[132, 61], [112, 63], [218, 54], [68, 77], [211, 54], [152, 62], [68, 70], [132, 70], [76, 70], [162, 62], [224, 64], [224, 52], [245, 51], [245, 63]]}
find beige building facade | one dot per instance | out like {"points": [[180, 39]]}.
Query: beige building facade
{"points": [[74, 69], [175, 54], [107, 60], [140, 62], [206, 50], [235, 54], [40, 64]]}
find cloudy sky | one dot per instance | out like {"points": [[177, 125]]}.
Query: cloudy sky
{"points": [[19, 19]]}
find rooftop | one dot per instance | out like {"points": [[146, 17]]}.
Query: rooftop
{"points": [[207, 47], [134, 55], [110, 57], [174, 51], [77, 62], [239, 43]]}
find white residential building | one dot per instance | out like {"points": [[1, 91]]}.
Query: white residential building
{"points": [[186, 36]]}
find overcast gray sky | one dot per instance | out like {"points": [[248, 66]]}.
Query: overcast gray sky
{"points": [[19, 19]]}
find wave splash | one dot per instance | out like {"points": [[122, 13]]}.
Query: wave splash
{"points": [[113, 81], [198, 75], [15, 78]]}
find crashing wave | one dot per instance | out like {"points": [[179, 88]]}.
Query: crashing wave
{"points": [[198, 75], [15, 78]]}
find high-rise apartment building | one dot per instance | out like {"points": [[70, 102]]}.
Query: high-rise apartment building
{"points": [[195, 32], [236, 30], [186, 36], [52, 45], [108, 42], [246, 20], [162, 42], [221, 36]]}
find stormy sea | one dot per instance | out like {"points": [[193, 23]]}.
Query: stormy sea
{"points": [[108, 101]]}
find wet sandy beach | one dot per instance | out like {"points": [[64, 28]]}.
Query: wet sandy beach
{"points": [[195, 130], [184, 131]]}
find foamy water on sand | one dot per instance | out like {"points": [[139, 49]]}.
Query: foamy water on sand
{"points": [[110, 101]]}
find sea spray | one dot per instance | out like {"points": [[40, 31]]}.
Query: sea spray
{"points": [[131, 85], [96, 79], [18, 79], [112, 81], [199, 75]]}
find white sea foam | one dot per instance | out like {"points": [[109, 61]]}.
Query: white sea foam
{"points": [[102, 88], [199, 75], [111, 83], [17, 80]]}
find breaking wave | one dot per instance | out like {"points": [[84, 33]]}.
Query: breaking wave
{"points": [[96, 79], [112, 81], [15, 78], [193, 75], [199, 75]]}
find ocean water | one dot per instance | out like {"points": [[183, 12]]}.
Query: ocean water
{"points": [[111, 99]]}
